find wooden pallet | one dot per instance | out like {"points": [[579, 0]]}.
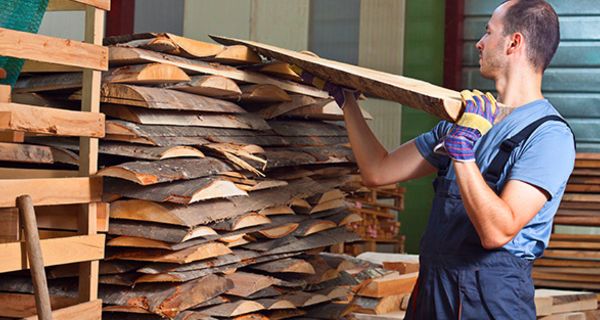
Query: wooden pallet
{"points": [[56, 188]]}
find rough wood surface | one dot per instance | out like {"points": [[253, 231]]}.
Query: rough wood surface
{"points": [[441, 102], [183, 192], [26, 153], [263, 93], [19, 117], [91, 310], [211, 86], [378, 306], [196, 253], [162, 232], [289, 265], [120, 55], [151, 73], [216, 210], [297, 101], [237, 55], [152, 172], [391, 284], [243, 221], [167, 299], [185, 118], [25, 45], [245, 284], [233, 309], [281, 70]]}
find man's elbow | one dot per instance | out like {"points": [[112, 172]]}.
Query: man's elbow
{"points": [[371, 179], [494, 242]]}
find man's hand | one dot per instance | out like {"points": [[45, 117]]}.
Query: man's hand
{"points": [[477, 119], [335, 91]]}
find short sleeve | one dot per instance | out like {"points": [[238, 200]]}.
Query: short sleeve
{"points": [[546, 159], [427, 141]]}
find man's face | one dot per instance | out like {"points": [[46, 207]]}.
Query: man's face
{"points": [[493, 45]]}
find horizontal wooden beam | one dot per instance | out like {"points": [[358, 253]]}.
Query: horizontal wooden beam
{"points": [[64, 5], [52, 121], [25, 45], [91, 310], [21, 305], [51, 191], [17, 173], [55, 251]]}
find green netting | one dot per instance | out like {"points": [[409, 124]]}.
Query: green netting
{"points": [[21, 15]]}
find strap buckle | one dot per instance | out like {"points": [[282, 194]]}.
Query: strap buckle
{"points": [[508, 145]]}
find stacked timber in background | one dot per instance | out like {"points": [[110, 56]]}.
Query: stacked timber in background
{"points": [[224, 183], [379, 208], [572, 261]]}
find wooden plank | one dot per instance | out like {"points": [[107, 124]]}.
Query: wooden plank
{"points": [[216, 210], [20, 117], [556, 244], [378, 306], [31, 66], [26, 153], [122, 55], [297, 101], [182, 118], [210, 86], [569, 270], [186, 47], [51, 191], [12, 136], [5, 92], [592, 221], [245, 284], [183, 192], [167, 300], [17, 173], [263, 93], [539, 283], [64, 217], [250, 219], [142, 74], [237, 55], [91, 310], [567, 263], [42, 48], [152, 172], [233, 309], [281, 70], [330, 111], [55, 251], [573, 254], [307, 128], [289, 265], [196, 253], [148, 74], [391, 284], [438, 101], [10, 230], [18, 305], [72, 5], [575, 237], [158, 98]]}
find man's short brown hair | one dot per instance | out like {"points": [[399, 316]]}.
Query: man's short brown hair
{"points": [[538, 22]]}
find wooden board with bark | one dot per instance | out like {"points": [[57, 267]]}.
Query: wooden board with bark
{"points": [[185, 118], [121, 55]]}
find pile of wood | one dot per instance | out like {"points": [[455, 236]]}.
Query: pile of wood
{"points": [[560, 304], [572, 260], [379, 208], [224, 180]]}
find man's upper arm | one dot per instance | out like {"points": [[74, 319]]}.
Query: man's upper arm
{"points": [[524, 200]]}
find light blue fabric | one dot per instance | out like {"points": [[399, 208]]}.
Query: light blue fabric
{"points": [[545, 160]]}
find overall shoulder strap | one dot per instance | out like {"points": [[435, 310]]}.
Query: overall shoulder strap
{"points": [[492, 175]]}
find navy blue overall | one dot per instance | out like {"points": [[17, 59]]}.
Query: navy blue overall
{"points": [[458, 278]]}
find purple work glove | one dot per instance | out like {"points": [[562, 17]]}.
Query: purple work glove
{"points": [[335, 91], [477, 119]]}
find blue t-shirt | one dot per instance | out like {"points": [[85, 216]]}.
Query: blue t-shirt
{"points": [[545, 159]]}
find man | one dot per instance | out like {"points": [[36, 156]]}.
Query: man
{"points": [[495, 197]]}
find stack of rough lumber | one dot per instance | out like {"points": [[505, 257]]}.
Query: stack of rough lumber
{"points": [[223, 180], [572, 261], [560, 304]]}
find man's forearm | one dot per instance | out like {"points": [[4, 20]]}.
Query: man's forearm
{"points": [[367, 150], [491, 216]]}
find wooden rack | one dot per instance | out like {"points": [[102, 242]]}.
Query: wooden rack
{"points": [[63, 193]]}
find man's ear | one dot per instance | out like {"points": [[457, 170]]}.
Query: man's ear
{"points": [[516, 43]]}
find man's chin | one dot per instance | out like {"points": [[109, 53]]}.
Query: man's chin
{"points": [[486, 74]]}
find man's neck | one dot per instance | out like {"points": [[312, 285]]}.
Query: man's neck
{"points": [[518, 87]]}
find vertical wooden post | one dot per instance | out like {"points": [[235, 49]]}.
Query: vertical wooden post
{"points": [[88, 155], [35, 257]]}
